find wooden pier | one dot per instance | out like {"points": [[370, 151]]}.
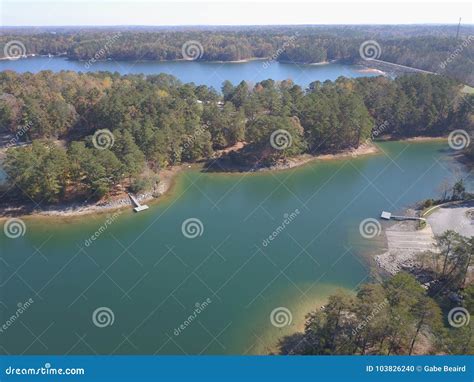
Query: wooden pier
{"points": [[388, 215], [138, 207]]}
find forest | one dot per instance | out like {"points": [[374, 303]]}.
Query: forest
{"points": [[434, 48], [401, 316], [151, 122]]}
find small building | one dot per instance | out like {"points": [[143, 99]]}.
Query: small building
{"points": [[386, 215]]}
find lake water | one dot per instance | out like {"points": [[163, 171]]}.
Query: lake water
{"points": [[151, 276], [201, 73]]}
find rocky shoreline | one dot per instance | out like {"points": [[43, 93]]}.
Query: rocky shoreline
{"points": [[406, 241], [405, 244], [78, 209], [289, 163], [167, 177]]}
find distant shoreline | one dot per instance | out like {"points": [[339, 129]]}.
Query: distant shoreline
{"points": [[241, 61], [417, 138]]}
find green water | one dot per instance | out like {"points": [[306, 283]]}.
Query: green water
{"points": [[151, 276]]}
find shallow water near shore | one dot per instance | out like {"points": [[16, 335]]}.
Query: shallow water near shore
{"points": [[152, 278]]}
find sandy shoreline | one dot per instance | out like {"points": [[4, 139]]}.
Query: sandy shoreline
{"points": [[167, 179], [301, 160], [423, 139], [419, 139], [319, 63], [372, 70], [243, 61]]}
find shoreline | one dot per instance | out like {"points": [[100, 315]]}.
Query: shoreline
{"points": [[244, 60], [421, 139], [241, 61], [297, 161], [167, 181], [418, 139], [371, 70], [406, 242], [304, 159], [72, 210]]}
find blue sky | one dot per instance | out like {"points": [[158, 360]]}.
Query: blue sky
{"points": [[106, 12]]}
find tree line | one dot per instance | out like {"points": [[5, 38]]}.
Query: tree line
{"points": [[156, 121], [432, 48]]}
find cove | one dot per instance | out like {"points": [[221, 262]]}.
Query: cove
{"points": [[153, 278], [201, 73]]}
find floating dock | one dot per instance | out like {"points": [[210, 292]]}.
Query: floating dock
{"points": [[138, 207], [388, 215]]}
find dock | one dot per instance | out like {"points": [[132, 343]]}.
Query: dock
{"points": [[138, 207], [388, 216]]}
